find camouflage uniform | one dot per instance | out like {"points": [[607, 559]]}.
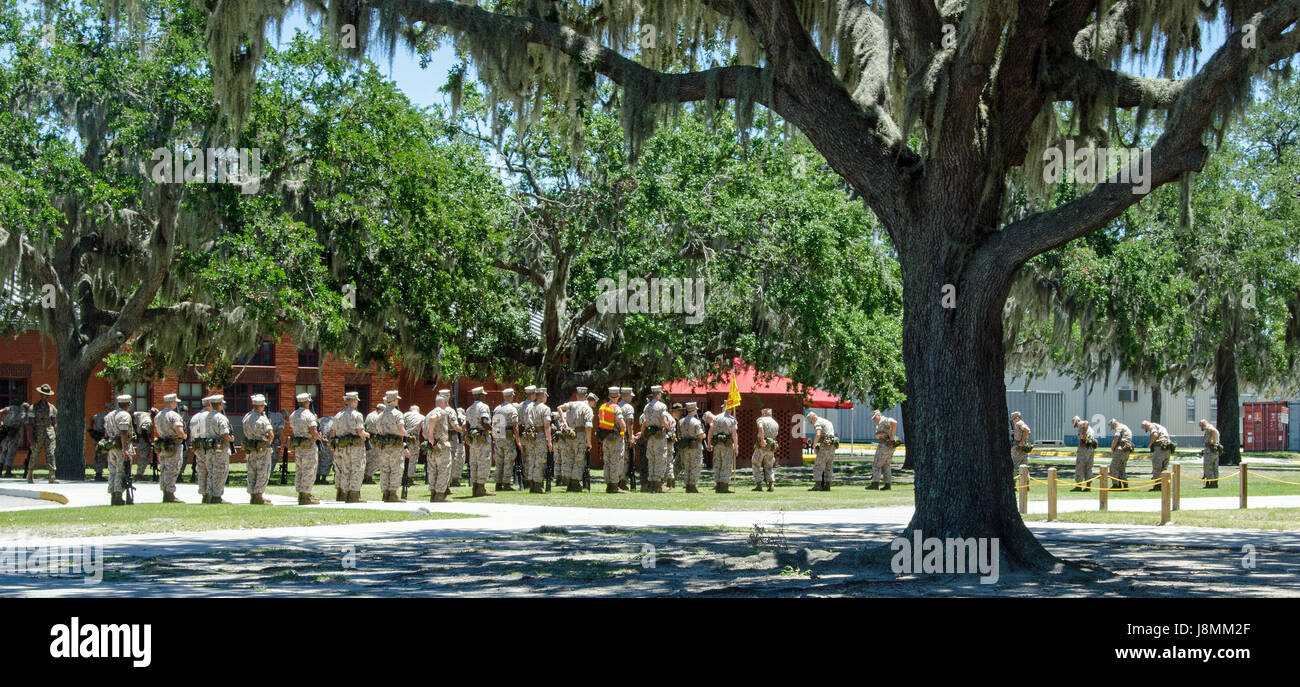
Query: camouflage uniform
{"points": [[824, 462], [412, 421], [324, 452], [11, 429], [1161, 449], [763, 461], [478, 425], [628, 413], [560, 439], [169, 425], [1019, 444], [143, 441], [654, 427], [218, 463], [724, 453], [44, 418], [305, 455], [1120, 454], [389, 447], [882, 462], [349, 461], [438, 465], [578, 415], [1210, 456], [258, 449], [197, 430], [527, 437], [101, 455], [115, 423], [612, 449], [504, 418], [688, 442], [1084, 454], [457, 439], [278, 422], [371, 461], [541, 418]]}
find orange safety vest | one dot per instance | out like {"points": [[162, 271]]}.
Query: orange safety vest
{"points": [[608, 413]]}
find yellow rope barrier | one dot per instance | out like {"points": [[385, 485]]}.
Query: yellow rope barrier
{"points": [[1220, 479], [1271, 479]]}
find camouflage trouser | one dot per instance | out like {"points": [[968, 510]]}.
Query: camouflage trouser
{"points": [[824, 464], [458, 459], [657, 457], [480, 461], [143, 455], [577, 460], [170, 462], [350, 462], [8, 447], [438, 468], [526, 455], [504, 452], [116, 483], [1019, 456], [562, 458], [1083, 464], [1209, 464], [692, 464], [763, 463], [1119, 463], [390, 467], [44, 446], [371, 461], [1159, 461], [537, 468], [881, 468], [724, 463], [611, 452], [216, 466], [304, 467], [259, 469], [411, 465], [200, 470], [324, 460]]}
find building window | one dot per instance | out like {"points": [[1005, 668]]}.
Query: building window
{"points": [[1214, 410], [308, 389], [238, 395], [264, 356], [191, 396], [1191, 409], [139, 392], [363, 392], [12, 391], [309, 357]]}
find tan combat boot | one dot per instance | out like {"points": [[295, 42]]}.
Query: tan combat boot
{"points": [[692, 489], [368, 479], [305, 499], [353, 497], [611, 489], [437, 497], [480, 490], [537, 488], [255, 500], [758, 487], [883, 487], [622, 484], [573, 485], [769, 487], [339, 494], [117, 499], [873, 486]]}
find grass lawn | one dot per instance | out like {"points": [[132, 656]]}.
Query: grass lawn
{"points": [[1258, 519], [143, 518]]}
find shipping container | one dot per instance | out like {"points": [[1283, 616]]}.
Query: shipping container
{"points": [[1264, 425]]}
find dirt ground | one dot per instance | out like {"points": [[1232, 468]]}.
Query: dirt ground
{"points": [[677, 562]]}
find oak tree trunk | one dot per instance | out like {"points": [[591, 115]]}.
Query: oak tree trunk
{"points": [[1229, 420], [958, 436], [70, 433], [1156, 399]]}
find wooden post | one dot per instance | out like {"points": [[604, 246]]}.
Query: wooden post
{"points": [[1051, 494], [1242, 489], [1178, 484], [1024, 489], [1104, 482], [1166, 493]]}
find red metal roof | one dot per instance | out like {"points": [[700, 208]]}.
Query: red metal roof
{"points": [[752, 381]]}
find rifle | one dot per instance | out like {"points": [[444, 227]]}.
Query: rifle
{"points": [[284, 465], [153, 464], [631, 466], [549, 473], [586, 471], [518, 473], [128, 486], [406, 473]]}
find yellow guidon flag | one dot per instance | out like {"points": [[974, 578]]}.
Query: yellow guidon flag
{"points": [[733, 396]]}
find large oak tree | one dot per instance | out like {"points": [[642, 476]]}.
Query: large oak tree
{"points": [[935, 113]]}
